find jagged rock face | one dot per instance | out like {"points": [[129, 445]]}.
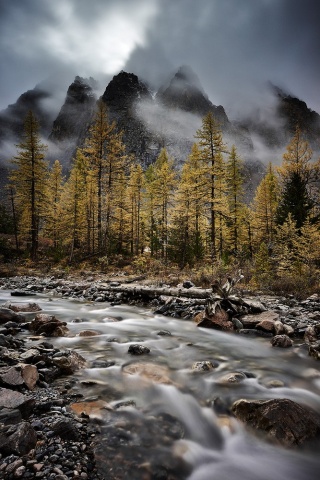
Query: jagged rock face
{"points": [[71, 126], [122, 96], [275, 128], [295, 112], [13, 117], [185, 93]]}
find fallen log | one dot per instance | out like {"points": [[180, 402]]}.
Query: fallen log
{"points": [[133, 290]]}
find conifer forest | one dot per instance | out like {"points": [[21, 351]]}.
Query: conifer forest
{"points": [[108, 211]]}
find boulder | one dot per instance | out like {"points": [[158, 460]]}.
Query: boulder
{"points": [[7, 315], [266, 325], [251, 321], [219, 320], [314, 350], [48, 325], [69, 362], [282, 341], [17, 439], [20, 375], [136, 349], [23, 307], [310, 335], [66, 429], [283, 421], [16, 400]]}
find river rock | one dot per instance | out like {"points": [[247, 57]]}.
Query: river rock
{"points": [[310, 335], [23, 307], [266, 325], [69, 362], [218, 320], [284, 421], [279, 328], [10, 416], [314, 350], [203, 366], [66, 429], [88, 333], [136, 349], [251, 321], [17, 439], [48, 325], [7, 315], [19, 375], [149, 371], [231, 378], [282, 341], [12, 400]]}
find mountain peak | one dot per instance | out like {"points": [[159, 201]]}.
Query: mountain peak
{"points": [[185, 92]]}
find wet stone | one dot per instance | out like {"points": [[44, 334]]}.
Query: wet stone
{"points": [[282, 341], [137, 349]]}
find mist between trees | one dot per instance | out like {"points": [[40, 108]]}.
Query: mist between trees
{"points": [[109, 212]]}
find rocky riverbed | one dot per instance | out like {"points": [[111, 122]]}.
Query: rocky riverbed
{"points": [[47, 430]]}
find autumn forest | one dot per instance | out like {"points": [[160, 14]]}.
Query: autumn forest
{"points": [[108, 211]]}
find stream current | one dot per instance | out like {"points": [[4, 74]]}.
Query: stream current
{"points": [[161, 386]]}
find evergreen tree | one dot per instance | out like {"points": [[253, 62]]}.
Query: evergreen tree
{"points": [[294, 200], [298, 176], [29, 182]]}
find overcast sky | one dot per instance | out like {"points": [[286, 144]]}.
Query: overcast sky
{"points": [[235, 46]]}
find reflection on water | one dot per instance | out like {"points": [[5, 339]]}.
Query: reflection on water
{"points": [[170, 407]]}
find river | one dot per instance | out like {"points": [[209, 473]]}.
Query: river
{"points": [[167, 400]]}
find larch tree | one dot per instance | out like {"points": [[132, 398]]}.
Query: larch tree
{"points": [[29, 180], [136, 183], [107, 160], [54, 208], [264, 208], [235, 192], [161, 189], [211, 144], [74, 200], [188, 220]]}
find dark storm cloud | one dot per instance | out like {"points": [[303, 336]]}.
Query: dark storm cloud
{"points": [[235, 46]]}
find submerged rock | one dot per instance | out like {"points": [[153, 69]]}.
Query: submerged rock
{"points": [[284, 421]]}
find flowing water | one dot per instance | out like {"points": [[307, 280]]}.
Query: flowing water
{"points": [[166, 399]]}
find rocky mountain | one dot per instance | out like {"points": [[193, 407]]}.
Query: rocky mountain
{"points": [[12, 119], [70, 128], [185, 93], [122, 96], [151, 120], [275, 128]]}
